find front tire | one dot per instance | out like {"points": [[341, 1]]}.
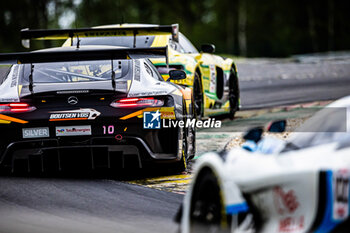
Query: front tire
{"points": [[206, 205], [187, 137], [208, 213]]}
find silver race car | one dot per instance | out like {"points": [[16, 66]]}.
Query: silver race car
{"points": [[102, 106]]}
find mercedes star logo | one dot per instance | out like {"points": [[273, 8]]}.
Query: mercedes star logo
{"points": [[73, 100]]}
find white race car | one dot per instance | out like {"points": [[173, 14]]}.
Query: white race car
{"points": [[301, 185]]}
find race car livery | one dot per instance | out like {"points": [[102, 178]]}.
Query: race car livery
{"points": [[302, 186], [212, 78], [91, 101]]}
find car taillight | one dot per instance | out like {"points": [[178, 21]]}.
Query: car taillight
{"points": [[16, 108], [137, 102]]}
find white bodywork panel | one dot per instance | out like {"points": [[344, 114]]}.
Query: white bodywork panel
{"points": [[284, 187], [144, 81], [9, 88]]}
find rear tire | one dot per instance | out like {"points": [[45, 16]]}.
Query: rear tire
{"points": [[233, 94], [188, 136], [191, 134], [181, 165], [191, 142], [198, 96]]}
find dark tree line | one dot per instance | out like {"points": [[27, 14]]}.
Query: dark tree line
{"points": [[239, 27]]}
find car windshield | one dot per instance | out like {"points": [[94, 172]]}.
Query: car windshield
{"points": [[75, 71], [123, 41], [328, 125]]}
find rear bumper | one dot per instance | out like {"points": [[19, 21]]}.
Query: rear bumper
{"points": [[141, 146]]}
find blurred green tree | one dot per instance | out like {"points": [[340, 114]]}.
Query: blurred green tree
{"points": [[240, 27]]}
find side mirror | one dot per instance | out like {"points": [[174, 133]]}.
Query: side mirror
{"points": [[176, 75], [208, 48], [254, 134], [277, 126]]}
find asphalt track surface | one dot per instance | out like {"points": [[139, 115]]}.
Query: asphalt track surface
{"points": [[269, 82], [43, 205], [69, 204], [270, 93]]}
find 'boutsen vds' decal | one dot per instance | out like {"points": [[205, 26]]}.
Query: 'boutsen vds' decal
{"points": [[80, 114]]}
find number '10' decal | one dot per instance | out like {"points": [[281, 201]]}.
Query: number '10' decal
{"points": [[108, 129]]}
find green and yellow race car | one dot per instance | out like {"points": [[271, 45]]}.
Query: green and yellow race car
{"points": [[213, 79]]}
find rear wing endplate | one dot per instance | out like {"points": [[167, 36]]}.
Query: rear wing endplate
{"points": [[61, 34]]}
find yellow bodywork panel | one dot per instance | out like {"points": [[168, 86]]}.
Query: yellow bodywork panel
{"points": [[5, 118], [166, 113], [4, 122], [160, 40]]}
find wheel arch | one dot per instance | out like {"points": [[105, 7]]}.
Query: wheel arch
{"points": [[234, 67], [231, 197], [199, 72]]}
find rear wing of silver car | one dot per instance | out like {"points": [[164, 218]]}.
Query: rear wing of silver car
{"points": [[61, 34], [82, 54]]}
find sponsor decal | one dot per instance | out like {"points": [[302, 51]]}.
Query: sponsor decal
{"points": [[42, 132], [168, 115], [80, 114], [341, 194], [151, 120], [137, 70], [9, 100], [212, 86], [285, 202], [106, 33], [291, 224], [150, 93], [73, 130]]}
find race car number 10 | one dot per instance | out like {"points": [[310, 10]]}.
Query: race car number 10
{"points": [[108, 129]]}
